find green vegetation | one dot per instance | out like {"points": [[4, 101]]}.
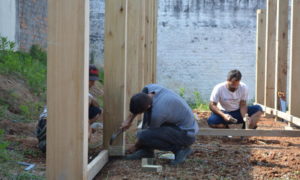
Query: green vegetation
{"points": [[197, 102], [29, 66], [4, 155]]}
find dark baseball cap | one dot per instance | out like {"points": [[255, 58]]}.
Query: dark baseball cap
{"points": [[93, 73]]}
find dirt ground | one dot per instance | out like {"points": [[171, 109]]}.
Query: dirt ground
{"points": [[222, 158], [213, 157]]}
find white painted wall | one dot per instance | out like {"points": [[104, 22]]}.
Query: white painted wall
{"points": [[8, 19]]}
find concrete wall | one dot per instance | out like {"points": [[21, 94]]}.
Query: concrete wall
{"points": [[200, 41], [8, 19], [97, 8], [33, 22]]}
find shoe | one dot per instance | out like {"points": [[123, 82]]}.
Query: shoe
{"points": [[139, 154], [181, 155]]}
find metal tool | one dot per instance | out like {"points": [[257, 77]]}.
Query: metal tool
{"points": [[115, 135], [233, 120]]}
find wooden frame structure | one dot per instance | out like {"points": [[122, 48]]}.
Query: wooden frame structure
{"points": [[272, 59], [130, 63]]}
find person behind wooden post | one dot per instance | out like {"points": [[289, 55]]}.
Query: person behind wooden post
{"points": [[94, 112], [168, 124], [232, 95], [94, 108]]}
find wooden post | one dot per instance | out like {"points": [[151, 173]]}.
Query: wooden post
{"points": [[132, 66], [141, 44], [270, 53], [114, 73], [294, 98], [260, 55], [281, 50], [154, 44], [67, 93], [147, 46]]}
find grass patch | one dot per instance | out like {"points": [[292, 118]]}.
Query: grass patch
{"points": [[9, 167], [197, 102], [29, 66]]}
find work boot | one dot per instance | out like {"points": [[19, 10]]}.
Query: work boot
{"points": [[181, 155], [139, 154]]}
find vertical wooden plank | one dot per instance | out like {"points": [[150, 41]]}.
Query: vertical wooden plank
{"points": [[114, 78], [154, 58], [147, 49], [141, 44], [294, 98], [270, 53], [67, 93], [132, 66], [281, 50], [260, 55]]}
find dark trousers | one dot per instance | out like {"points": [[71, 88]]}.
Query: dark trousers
{"points": [[165, 138]]}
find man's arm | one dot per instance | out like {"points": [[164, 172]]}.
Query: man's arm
{"points": [[243, 108], [127, 123], [93, 101], [213, 107]]}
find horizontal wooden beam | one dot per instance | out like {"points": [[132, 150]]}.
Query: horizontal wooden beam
{"points": [[286, 116], [97, 164], [248, 132]]}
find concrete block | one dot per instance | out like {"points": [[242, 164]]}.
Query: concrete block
{"points": [[152, 168]]}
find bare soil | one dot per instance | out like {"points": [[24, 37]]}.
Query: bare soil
{"points": [[222, 158]]}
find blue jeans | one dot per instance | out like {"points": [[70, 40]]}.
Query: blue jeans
{"points": [[216, 119], [165, 138]]}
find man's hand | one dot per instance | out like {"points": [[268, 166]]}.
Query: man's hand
{"points": [[229, 118], [125, 125]]}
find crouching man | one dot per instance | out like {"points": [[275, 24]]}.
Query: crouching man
{"points": [[232, 96], [168, 124]]}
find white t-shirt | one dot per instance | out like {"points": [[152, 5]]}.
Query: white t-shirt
{"points": [[230, 101]]}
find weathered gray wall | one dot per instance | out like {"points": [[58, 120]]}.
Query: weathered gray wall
{"points": [[97, 8], [32, 23], [8, 19], [200, 41]]}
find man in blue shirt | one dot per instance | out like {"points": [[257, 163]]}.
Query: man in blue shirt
{"points": [[168, 123]]}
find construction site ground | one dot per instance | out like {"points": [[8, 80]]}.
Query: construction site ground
{"points": [[213, 157]]}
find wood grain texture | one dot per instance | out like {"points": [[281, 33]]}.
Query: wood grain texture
{"points": [[67, 89], [260, 55], [270, 53], [294, 98]]}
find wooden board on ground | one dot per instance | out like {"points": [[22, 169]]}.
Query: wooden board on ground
{"points": [[248, 132], [97, 164]]}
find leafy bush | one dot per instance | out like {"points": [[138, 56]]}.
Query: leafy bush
{"points": [[198, 103], [29, 66]]}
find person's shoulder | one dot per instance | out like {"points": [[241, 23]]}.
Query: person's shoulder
{"points": [[220, 85], [243, 85]]}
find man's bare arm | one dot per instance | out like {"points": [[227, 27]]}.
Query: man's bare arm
{"points": [[127, 123], [213, 107], [243, 107]]}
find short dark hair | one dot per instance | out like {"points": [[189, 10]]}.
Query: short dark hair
{"points": [[139, 103], [234, 74]]}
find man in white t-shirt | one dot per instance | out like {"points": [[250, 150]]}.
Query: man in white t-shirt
{"points": [[232, 95]]}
